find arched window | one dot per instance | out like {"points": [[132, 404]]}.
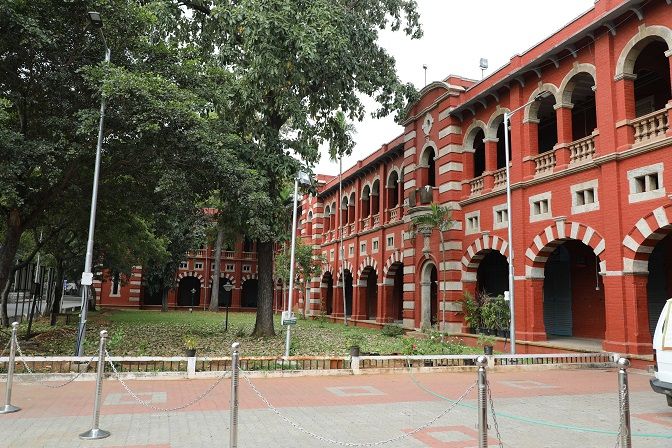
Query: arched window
{"points": [[547, 130], [501, 144], [344, 210], [428, 165], [393, 190], [582, 97], [327, 224], [652, 82], [366, 202], [375, 201], [479, 153]]}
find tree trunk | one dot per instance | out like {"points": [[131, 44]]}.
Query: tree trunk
{"points": [[92, 298], [214, 292], [7, 253], [263, 327], [164, 298], [58, 294]]}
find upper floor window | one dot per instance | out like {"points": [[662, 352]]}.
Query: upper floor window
{"points": [[428, 166], [540, 207], [184, 265], [646, 183], [393, 190]]}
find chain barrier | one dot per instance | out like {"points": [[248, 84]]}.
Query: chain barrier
{"points": [[494, 416], [147, 404], [354, 444], [45, 383], [5, 349]]}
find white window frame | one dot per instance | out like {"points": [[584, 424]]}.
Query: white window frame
{"points": [[247, 268], [375, 245], [351, 250], [500, 209], [184, 265], [651, 170], [198, 265], [578, 190], [388, 244], [230, 268], [541, 216], [331, 254], [362, 248], [469, 219], [112, 293]]}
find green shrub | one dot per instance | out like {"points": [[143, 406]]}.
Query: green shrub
{"points": [[353, 338], [392, 330]]}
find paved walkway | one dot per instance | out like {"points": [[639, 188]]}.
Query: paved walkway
{"points": [[536, 409]]}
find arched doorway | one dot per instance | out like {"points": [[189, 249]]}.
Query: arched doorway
{"points": [[492, 276], [189, 292], [348, 292], [659, 283], [224, 297], [327, 293], [501, 144], [371, 291], [573, 292], [396, 297], [250, 293], [547, 129], [429, 295], [479, 153], [652, 78]]}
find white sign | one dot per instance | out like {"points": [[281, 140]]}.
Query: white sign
{"points": [[288, 318]]}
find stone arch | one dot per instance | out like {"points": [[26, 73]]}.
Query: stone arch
{"points": [[368, 184], [181, 275], [226, 275], [642, 238], [326, 268], [554, 235], [470, 134], [389, 176], [423, 161], [346, 265], [530, 112], [396, 256], [367, 262], [625, 66], [247, 277], [495, 120], [567, 85], [477, 250]]}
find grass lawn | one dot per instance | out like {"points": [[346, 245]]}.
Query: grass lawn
{"points": [[153, 333]]}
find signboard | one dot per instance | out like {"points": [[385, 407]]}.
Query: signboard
{"points": [[288, 318]]}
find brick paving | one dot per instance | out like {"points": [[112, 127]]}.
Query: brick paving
{"points": [[537, 409]]}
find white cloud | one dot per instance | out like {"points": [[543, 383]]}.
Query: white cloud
{"points": [[456, 35]]}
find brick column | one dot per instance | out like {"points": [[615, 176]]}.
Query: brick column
{"points": [[236, 296], [490, 162], [624, 89], [383, 306], [636, 303], [563, 116], [529, 304], [358, 301], [530, 147], [337, 294]]}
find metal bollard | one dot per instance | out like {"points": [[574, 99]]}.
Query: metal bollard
{"points": [[8, 407], [95, 432], [482, 362], [233, 428], [625, 436]]}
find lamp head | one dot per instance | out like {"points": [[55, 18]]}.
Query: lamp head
{"points": [[228, 287], [95, 19], [541, 95], [303, 178]]}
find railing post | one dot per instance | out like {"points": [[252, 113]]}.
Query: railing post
{"points": [[482, 362], [95, 432], [8, 408], [233, 426], [624, 403]]}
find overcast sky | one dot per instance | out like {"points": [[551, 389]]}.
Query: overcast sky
{"points": [[456, 35]]}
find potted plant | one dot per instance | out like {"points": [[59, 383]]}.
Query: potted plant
{"points": [[472, 313], [486, 342], [489, 316], [190, 346]]}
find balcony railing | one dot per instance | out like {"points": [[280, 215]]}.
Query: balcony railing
{"points": [[352, 228], [476, 185], [228, 254], [393, 214], [582, 150], [376, 220], [544, 163], [650, 127], [249, 255], [366, 223], [499, 178]]}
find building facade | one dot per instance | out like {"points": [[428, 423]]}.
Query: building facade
{"points": [[591, 180]]}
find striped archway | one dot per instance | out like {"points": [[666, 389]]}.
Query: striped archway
{"points": [[642, 238], [395, 257], [228, 276], [367, 262], [247, 277], [347, 265], [552, 237], [181, 275], [477, 250]]}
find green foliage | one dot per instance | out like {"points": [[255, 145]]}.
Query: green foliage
{"points": [[485, 340], [354, 338], [495, 312], [432, 346], [472, 312], [190, 342], [392, 330]]}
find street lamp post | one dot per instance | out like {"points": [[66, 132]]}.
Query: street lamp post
{"points": [[507, 118], [228, 288], [303, 179], [193, 291], [87, 276]]}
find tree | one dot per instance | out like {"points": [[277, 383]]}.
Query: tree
{"points": [[438, 218], [305, 263], [297, 63]]}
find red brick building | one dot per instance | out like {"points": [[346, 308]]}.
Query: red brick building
{"points": [[591, 174]]}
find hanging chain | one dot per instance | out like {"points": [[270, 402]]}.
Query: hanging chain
{"points": [[353, 444], [147, 404], [494, 415], [45, 383]]}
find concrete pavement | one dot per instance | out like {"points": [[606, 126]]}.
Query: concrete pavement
{"points": [[549, 408]]}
